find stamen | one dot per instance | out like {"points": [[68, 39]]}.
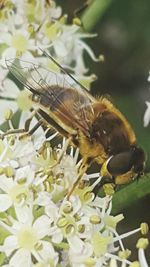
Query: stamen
{"points": [[8, 113], [127, 234], [111, 256]]}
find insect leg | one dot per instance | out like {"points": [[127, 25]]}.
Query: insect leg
{"points": [[30, 132], [21, 131], [14, 131], [28, 121], [82, 170], [67, 143]]}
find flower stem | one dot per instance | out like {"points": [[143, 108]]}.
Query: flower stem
{"points": [[61, 245], [130, 194], [93, 13]]}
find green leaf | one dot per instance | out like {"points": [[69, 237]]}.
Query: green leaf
{"points": [[94, 13], [130, 194]]}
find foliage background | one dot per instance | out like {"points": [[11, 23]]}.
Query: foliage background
{"points": [[124, 40]]}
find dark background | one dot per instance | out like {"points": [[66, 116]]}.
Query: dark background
{"points": [[124, 40]]}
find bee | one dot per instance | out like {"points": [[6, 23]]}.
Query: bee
{"points": [[3, 4], [94, 125]]}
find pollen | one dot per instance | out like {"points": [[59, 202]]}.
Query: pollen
{"points": [[77, 21], [62, 222], [95, 219], [124, 254], [144, 228], [8, 114], [142, 243], [68, 208]]}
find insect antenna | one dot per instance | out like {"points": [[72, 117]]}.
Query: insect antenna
{"points": [[64, 71]]}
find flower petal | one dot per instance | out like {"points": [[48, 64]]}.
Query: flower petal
{"points": [[42, 226], [24, 214], [10, 89], [5, 202], [76, 244], [6, 184], [22, 258], [147, 114], [60, 49], [7, 54], [57, 237], [10, 244], [48, 253], [27, 56], [25, 172], [6, 38]]}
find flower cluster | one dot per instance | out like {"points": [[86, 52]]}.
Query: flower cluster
{"points": [[27, 28], [39, 226]]}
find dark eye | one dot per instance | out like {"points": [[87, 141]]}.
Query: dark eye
{"points": [[120, 163]]}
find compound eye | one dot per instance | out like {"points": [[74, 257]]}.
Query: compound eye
{"points": [[120, 163], [35, 98]]}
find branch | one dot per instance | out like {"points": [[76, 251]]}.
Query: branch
{"points": [[94, 13]]}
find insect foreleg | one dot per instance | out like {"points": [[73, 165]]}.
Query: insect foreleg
{"points": [[25, 132], [28, 121], [10, 132], [30, 132]]}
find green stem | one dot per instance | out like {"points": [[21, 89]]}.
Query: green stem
{"points": [[93, 13], [61, 245], [130, 194]]}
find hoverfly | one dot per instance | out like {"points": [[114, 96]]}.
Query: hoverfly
{"points": [[94, 125]]}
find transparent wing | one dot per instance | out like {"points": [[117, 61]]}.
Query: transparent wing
{"points": [[53, 87]]}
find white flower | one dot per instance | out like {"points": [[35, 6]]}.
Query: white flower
{"points": [[147, 114], [39, 227], [14, 99], [79, 251], [16, 189], [69, 46], [17, 41], [42, 220], [26, 240]]}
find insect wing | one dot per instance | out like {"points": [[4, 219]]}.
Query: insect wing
{"points": [[29, 74], [54, 88]]}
